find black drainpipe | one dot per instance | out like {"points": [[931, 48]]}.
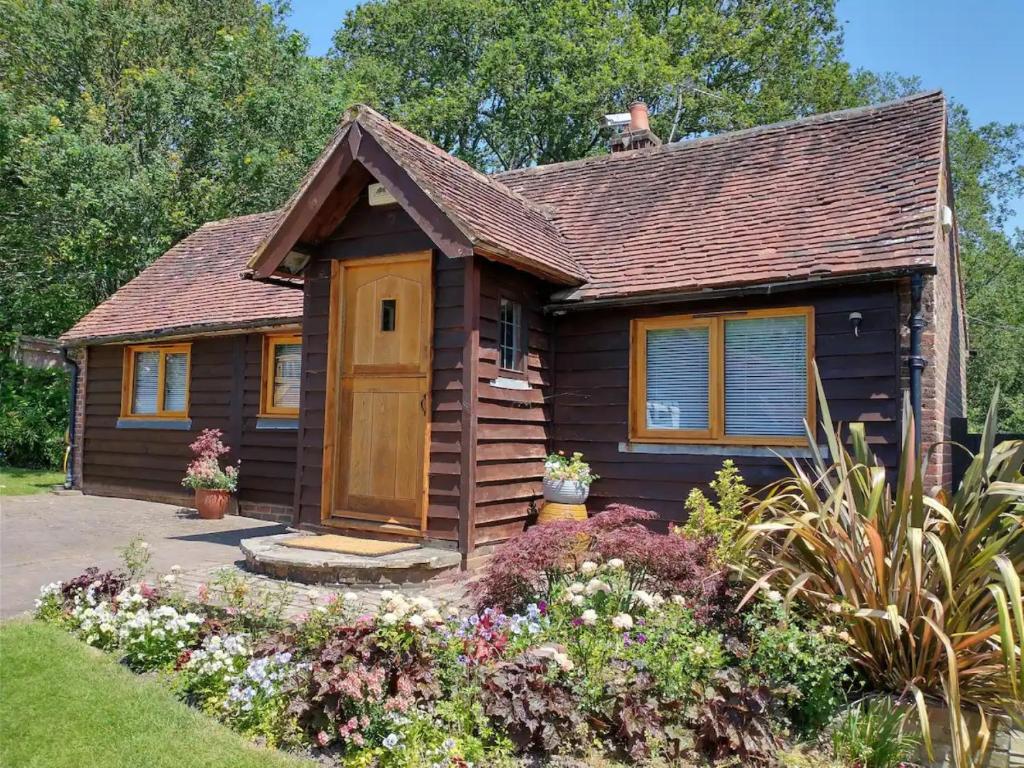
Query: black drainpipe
{"points": [[69, 476], [916, 361]]}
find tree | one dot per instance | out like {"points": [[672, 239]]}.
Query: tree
{"points": [[508, 84], [125, 125]]}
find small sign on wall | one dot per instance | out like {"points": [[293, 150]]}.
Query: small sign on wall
{"points": [[380, 196]]}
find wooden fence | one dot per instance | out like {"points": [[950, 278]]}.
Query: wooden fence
{"points": [[972, 440]]}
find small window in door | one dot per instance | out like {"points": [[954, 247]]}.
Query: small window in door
{"points": [[388, 313], [511, 338]]}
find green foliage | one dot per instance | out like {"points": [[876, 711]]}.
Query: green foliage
{"points": [[33, 415], [806, 663], [929, 588], [726, 520], [125, 127], [506, 85], [873, 735]]}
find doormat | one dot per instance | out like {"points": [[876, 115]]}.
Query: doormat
{"points": [[349, 545]]}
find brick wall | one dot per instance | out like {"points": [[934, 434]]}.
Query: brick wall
{"points": [[944, 347], [80, 356]]}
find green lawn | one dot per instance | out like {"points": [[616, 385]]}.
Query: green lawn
{"points": [[23, 482], [65, 704]]}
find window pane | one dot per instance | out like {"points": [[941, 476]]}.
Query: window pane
{"points": [[766, 376], [677, 378], [510, 334], [287, 372], [146, 381], [175, 381]]}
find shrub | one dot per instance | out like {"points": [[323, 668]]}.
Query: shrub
{"points": [[33, 415], [734, 720], [257, 702], [208, 672], [928, 586], [806, 662], [873, 735], [529, 700], [724, 521], [532, 565]]}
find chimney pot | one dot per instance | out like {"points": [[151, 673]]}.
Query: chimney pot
{"points": [[638, 119]]}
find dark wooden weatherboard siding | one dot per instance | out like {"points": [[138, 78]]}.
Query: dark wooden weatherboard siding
{"points": [[224, 390], [860, 375], [369, 231], [514, 427]]}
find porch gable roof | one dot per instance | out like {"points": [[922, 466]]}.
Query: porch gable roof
{"points": [[460, 209]]}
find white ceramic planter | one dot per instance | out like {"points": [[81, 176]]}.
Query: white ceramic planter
{"points": [[565, 491]]}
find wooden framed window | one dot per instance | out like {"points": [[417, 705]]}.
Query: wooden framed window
{"points": [[155, 381], [511, 337], [741, 378], [282, 375]]}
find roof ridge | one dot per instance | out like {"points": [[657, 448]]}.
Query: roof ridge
{"points": [[726, 136], [240, 217]]}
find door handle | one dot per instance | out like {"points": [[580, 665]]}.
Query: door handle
{"points": [[423, 404]]}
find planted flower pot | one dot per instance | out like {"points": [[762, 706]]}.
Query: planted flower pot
{"points": [[565, 491], [212, 503]]}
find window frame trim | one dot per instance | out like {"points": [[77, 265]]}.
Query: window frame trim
{"points": [[128, 381], [270, 343], [522, 340], [639, 432]]}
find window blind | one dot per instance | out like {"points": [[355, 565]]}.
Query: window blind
{"points": [[146, 383], [175, 381], [287, 374], [677, 378], [766, 376]]}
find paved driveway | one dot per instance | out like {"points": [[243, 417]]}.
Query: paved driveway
{"points": [[48, 537]]}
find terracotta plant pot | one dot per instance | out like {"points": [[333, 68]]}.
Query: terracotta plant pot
{"points": [[565, 491], [212, 504]]}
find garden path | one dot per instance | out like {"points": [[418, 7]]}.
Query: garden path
{"points": [[49, 537]]}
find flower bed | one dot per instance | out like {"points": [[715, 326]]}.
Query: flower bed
{"points": [[596, 636]]}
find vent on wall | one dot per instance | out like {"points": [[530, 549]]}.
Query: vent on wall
{"points": [[378, 195]]}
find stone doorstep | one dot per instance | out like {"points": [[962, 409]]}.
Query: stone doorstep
{"points": [[266, 555]]}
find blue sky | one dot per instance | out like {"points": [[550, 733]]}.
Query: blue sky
{"points": [[972, 50]]}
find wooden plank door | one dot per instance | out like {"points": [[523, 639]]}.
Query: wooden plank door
{"points": [[386, 326]]}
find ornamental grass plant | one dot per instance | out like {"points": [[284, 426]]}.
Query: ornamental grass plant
{"points": [[928, 586]]}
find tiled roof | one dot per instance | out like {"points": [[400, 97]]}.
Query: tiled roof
{"points": [[836, 194], [196, 285], [490, 216]]}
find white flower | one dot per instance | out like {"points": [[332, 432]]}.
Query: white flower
{"points": [[835, 608], [416, 620], [577, 587], [616, 563], [596, 585], [388, 619], [576, 600], [646, 598], [168, 578], [622, 621], [144, 544], [588, 567], [678, 600], [699, 650], [423, 603], [659, 599], [556, 654], [433, 616], [313, 595], [175, 569], [774, 596], [589, 617], [350, 597]]}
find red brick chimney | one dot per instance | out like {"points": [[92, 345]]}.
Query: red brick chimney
{"points": [[639, 134]]}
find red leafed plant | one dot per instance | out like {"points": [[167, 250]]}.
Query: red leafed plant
{"points": [[529, 565], [205, 470]]}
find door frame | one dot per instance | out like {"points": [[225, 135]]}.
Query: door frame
{"points": [[335, 355]]}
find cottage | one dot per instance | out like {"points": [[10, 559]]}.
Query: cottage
{"points": [[659, 308]]}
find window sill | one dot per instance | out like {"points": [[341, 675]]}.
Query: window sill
{"points": [[708, 449], [277, 422], [143, 423], [504, 382]]}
